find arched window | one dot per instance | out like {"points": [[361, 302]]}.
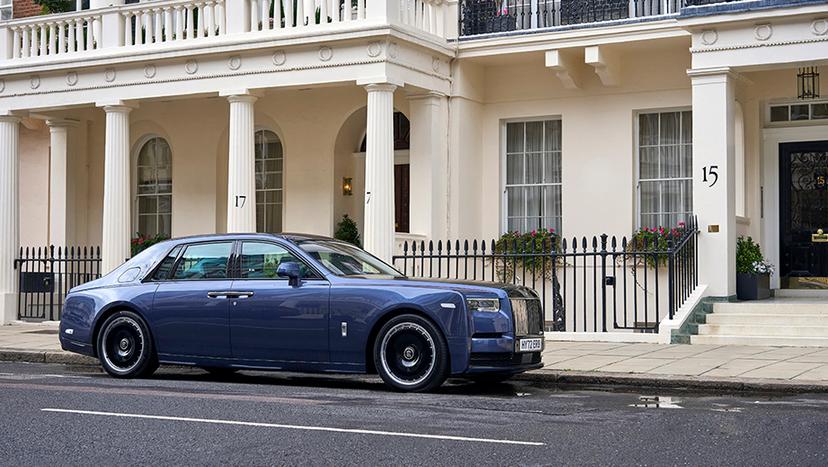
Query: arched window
{"points": [[269, 160], [154, 191]]}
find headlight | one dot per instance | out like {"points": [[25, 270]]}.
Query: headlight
{"points": [[483, 304]]}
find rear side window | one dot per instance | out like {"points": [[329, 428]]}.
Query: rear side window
{"points": [[165, 268], [204, 261]]}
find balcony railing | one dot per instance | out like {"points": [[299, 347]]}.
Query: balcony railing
{"points": [[492, 16], [152, 23]]}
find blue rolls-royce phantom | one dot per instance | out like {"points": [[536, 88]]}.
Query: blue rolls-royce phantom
{"points": [[298, 303]]}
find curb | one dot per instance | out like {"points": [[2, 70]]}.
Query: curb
{"points": [[628, 380], [762, 385], [34, 356]]}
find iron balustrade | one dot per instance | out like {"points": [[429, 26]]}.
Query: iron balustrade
{"points": [[492, 16], [46, 274], [594, 285]]}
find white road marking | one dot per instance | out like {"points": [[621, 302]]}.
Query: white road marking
{"points": [[297, 427]]}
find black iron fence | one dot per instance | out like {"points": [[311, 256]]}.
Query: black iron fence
{"points": [[586, 285], [46, 274], [489, 16]]}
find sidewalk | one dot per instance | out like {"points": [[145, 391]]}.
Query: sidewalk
{"points": [[677, 365]]}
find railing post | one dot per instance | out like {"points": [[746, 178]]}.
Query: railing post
{"points": [[6, 42], [451, 19], [238, 17], [603, 254], [111, 30], [671, 279], [382, 11]]}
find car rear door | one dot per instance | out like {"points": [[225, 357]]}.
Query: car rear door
{"points": [[190, 311], [271, 320]]}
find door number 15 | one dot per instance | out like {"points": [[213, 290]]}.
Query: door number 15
{"points": [[710, 172]]}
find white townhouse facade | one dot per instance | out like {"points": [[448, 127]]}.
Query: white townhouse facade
{"points": [[419, 119]]}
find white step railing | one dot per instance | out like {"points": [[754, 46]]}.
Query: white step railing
{"points": [[426, 15], [56, 36], [161, 22]]}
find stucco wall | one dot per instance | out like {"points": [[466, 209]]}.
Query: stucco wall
{"points": [[34, 183]]}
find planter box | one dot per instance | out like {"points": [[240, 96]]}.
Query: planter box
{"points": [[752, 286]]}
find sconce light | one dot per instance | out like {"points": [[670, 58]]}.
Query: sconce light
{"points": [[807, 83], [347, 186]]}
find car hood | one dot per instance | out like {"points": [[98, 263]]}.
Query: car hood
{"points": [[457, 285]]}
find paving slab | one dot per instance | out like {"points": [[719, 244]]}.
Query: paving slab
{"points": [[819, 373], [688, 367], [586, 363], [737, 367], [781, 370], [634, 365]]}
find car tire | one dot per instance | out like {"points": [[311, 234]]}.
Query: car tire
{"points": [[411, 354], [490, 378], [125, 347]]}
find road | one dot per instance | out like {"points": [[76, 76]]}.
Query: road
{"points": [[59, 415]]}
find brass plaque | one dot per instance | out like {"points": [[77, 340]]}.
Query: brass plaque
{"points": [[713, 228], [819, 238]]}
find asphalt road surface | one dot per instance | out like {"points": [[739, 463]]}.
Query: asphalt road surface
{"points": [[60, 415]]}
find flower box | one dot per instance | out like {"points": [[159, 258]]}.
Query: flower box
{"points": [[751, 286]]}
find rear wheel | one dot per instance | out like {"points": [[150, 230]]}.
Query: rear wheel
{"points": [[411, 354], [125, 347]]}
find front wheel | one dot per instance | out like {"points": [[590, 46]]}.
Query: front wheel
{"points": [[411, 354], [125, 347]]}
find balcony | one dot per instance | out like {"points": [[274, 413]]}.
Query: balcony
{"points": [[169, 24], [482, 17]]}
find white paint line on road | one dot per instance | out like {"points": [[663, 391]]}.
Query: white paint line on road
{"points": [[297, 427]]}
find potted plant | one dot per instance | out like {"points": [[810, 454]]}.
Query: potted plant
{"points": [[347, 230], [752, 271]]}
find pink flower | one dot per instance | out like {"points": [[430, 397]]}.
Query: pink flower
{"points": [[534, 233]]}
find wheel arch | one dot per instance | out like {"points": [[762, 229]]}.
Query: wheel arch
{"points": [[370, 366], [109, 311]]}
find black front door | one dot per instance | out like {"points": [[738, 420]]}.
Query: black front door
{"points": [[803, 192]]}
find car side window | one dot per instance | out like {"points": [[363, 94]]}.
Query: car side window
{"points": [[204, 261], [261, 260], [165, 268]]}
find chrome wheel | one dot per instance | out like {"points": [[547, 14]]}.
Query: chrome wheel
{"points": [[408, 354], [123, 345]]}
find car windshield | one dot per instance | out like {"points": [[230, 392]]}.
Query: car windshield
{"points": [[343, 259]]}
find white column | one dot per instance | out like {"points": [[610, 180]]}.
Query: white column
{"points": [[58, 181], [116, 198], [713, 157], [428, 164], [9, 216], [241, 171], [379, 172]]}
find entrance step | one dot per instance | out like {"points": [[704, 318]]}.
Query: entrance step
{"points": [[780, 319], [760, 340], [798, 306], [801, 293], [749, 330]]}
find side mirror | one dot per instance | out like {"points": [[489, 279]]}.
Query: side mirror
{"points": [[292, 271]]}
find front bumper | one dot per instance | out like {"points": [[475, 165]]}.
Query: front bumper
{"points": [[504, 362], [82, 348]]}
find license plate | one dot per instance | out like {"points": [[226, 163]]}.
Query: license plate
{"points": [[530, 345]]}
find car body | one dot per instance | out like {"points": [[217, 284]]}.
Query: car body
{"points": [[299, 303]]}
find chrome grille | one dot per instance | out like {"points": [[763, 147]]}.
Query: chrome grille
{"points": [[527, 315]]}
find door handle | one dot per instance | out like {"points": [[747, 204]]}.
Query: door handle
{"points": [[242, 294], [220, 294]]}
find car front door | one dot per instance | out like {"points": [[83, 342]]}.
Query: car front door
{"points": [[190, 311], [272, 320]]}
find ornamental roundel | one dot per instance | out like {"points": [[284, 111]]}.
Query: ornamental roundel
{"points": [[2, 85], [709, 36], [819, 27], [325, 53], [235, 62], [191, 67], [763, 32], [279, 57], [436, 64], [393, 50], [72, 78], [150, 71], [109, 75], [34, 81], [374, 49]]}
